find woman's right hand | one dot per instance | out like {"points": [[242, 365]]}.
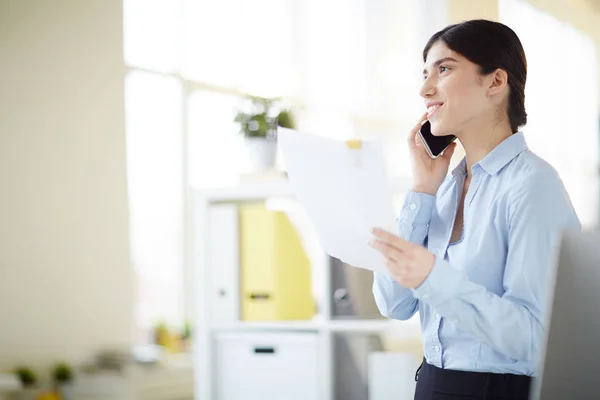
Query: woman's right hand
{"points": [[428, 173]]}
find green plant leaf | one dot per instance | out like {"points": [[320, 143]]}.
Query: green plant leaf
{"points": [[262, 121], [27, 376], [62, 373], [285, 120]]}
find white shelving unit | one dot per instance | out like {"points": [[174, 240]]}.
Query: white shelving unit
{"points": [[323, 324]]}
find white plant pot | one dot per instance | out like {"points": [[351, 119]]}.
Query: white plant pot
{"points": [[262, 153]]}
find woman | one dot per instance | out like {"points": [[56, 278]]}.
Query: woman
{"points": [[475, 250]]}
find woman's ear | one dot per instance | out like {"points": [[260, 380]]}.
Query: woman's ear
{"points": [[498, 83]]}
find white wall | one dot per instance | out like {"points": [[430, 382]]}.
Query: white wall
{"points": [[65, 275]]}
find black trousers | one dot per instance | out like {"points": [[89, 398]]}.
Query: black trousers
{"points": [[434, 383]]}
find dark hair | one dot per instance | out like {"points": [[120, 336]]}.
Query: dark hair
{"points": [[491, 45]]}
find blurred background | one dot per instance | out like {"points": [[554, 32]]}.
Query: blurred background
{"points": [[137, 163]]}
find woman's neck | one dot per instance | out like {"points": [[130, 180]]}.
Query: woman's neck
{"points": [[479, 141]]}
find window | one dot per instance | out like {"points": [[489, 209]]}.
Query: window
{"points": [[215, 149], [182, 89], [155, 176], [153, 110], [152, 34]]}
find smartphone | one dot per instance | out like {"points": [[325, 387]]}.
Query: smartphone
{"points": [[435, 145]]}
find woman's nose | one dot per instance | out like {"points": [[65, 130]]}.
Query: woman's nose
{"points": [[427, 89]]}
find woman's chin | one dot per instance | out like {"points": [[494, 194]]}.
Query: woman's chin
{"points": [[437, 129]]}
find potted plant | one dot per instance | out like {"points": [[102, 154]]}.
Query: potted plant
{"points": [[62, 375], [29, 381], [258, 124]]}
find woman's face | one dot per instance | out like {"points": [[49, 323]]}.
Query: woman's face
{"points": [[454, 91]]}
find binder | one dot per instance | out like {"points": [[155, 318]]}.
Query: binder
{"points": [[275, 270], [224, 262]]}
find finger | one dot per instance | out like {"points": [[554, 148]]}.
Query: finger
{"points": [[393, 240], [391, 266], [384, 236], [447, 155], [395, 270], [388, 251], [417, 127], [399, 276], [413, 132], [418, 141]]}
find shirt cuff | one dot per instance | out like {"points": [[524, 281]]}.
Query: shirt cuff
{"points": [[441, 285], [417, 209]]}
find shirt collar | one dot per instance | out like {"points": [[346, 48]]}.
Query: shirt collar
{"points": [[461, 168], [499, 157]]}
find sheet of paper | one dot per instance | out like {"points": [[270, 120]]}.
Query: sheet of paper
{"points": [[345, 192]]}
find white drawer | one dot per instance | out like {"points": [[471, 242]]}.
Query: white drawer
{"points": [[266, 366]]}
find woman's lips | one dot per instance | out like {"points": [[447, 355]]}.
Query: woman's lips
{"points": [[431, 109]]}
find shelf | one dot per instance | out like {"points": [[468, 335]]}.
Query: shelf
{"points": [[358, 326], [257, 190], [248, 191], [372, 325], [275, 193], [307, 326]]}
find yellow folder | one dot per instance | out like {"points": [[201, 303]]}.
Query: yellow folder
{"points": [[275, 270]]}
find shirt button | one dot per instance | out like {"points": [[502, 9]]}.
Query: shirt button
{"points": [[413, 206], [436, 349]]}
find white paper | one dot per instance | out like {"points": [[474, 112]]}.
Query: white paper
{"points": [[344, 191]]}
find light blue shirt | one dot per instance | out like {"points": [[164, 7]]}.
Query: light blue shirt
{"points": [[482, 305]]}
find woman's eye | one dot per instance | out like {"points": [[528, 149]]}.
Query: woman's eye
{"points": [[443, 69]]}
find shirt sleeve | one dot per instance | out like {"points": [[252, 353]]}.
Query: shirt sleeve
{"points": [[393, 300], [513, 322]]}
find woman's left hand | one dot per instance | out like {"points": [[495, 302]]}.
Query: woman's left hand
{"points": [[408, 263]]}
